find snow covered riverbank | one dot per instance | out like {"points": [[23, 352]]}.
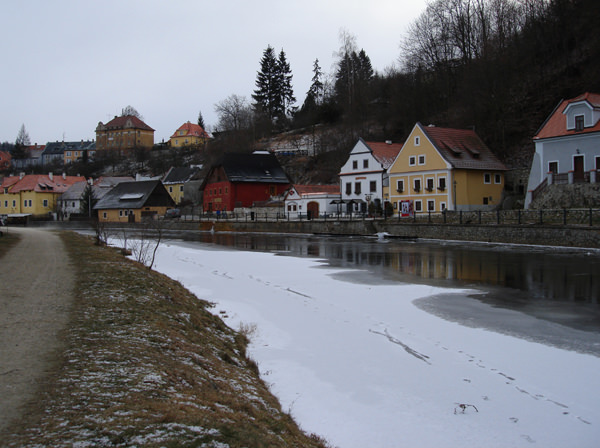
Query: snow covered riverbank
{"points": [[362, 366]]}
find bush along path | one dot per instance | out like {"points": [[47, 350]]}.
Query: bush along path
{"points": [[146, 364]]}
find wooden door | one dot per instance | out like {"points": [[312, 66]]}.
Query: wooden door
{"points": [[312, 209], [578, 172]]}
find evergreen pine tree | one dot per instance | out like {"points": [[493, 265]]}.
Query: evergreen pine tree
{"points": [[316, 90], [285, 86], [267, 96], [88, 200], [201, 120]]}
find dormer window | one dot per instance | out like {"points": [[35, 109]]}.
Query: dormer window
{"points": [[579, 122]]}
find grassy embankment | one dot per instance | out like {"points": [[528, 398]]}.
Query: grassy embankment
{"points": [[148, 365]]}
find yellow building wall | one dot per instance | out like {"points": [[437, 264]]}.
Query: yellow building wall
{"points": [[184, 140], [41, 203], [471, 188], [10, 203], [176, 192], [428, 164], [122, 215]]}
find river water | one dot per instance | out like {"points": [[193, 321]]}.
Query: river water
{"points": [[550, 284]]}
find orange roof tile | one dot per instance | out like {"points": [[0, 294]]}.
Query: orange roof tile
{"points": [[556, 124], [191, 130], [317, 189], [385, 152], [40, 183]]}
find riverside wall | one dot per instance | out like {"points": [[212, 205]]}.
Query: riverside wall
{"points": [[583, 236], [564, 236]]}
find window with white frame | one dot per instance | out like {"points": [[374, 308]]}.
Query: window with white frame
{"points": [[431, 205], [497, 178], [417, 185], [120, 213], [422, 159], [417, 140], [45, 203], [442, 206], [553, 167], [579, 122], [400, 186], [348, 188], [487, 178], [418, 206], [357, 188], [366, 163], [355, 164], [373, 186], [412, 160], [104, 215]]}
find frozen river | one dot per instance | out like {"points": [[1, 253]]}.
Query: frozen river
{"points": [[401, 344], [552, 284]]}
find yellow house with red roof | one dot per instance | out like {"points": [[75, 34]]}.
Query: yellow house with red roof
{"points": [[123, 134], [441, 169], [34, 194], [189, 134]]}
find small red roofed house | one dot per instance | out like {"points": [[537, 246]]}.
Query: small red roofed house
{"points": [[312, 201], [189, 134]]}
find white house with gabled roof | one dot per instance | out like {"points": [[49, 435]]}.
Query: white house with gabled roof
{"points": [[364, 176]]}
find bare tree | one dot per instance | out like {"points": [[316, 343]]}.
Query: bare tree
{"points": [[147, 241], [234, 112], [131, 111], [23, 137]]}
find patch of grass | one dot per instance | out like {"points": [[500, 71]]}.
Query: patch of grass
{"points": [[148, 365]]}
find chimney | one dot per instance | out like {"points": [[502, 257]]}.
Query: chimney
{"points": [[51, 176], [21, 176], [388, 142], [64, 176]]}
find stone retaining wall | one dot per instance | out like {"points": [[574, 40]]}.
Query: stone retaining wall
{"points": [[568, 236]]}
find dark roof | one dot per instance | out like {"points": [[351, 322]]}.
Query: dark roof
{"points": [[136, 195], [61, 147], [462, 148], [178, 175], [256, 167]]}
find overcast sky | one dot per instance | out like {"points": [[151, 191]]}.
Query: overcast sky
{"points": [[68, 64]]}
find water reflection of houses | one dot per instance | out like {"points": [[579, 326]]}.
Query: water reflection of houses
{"points": [[534, 276]]}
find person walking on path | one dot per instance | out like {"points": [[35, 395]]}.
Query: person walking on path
{"points": [[36, 296]]}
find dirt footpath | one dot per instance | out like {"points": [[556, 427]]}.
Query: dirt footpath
{"points": [[36, 282]]}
